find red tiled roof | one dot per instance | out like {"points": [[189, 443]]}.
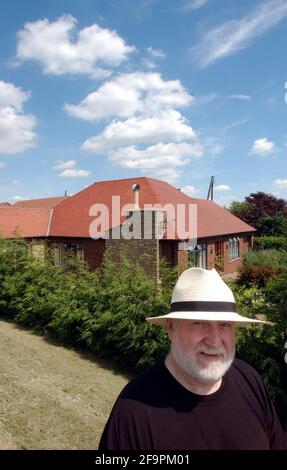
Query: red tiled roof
{"points": [[47, 203], [24, 222], [72, 219]]}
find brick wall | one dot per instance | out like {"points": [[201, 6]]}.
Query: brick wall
{"points": [[210, 254], [229, 266], [245, 244], [94, 252], [168, 250], [182, 260], [148, 252], [93, 249]]}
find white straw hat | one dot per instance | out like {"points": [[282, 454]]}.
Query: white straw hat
{"points": [[201, 294]]}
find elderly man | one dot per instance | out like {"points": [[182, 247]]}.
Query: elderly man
{"points": [[200, 397]]}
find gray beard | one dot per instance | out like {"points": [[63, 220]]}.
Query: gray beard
{"points": [[204, 373]]}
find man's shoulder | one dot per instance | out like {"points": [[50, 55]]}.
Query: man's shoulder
{"points": [[145, 383], [243, 366], [242, 369]]}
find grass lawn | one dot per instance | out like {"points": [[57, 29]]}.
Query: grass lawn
{"points": [[51, 397]]}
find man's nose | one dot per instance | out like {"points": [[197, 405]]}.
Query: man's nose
{"points": [[213, 337]]}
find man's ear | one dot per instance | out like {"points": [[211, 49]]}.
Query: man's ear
{"points": [[170, 328]]}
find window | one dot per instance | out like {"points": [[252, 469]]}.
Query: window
{"points": [[65, 254], [197, 256], [233, 248]]}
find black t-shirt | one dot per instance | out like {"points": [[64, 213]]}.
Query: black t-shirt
{"points": [[155, 412]]}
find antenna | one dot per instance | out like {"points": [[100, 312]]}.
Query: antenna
{"points": [[210, 189]]}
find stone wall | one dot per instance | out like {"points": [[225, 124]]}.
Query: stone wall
{"points": [[144, 252], [38, 249], [138, 239]]}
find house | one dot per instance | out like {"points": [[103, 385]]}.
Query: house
{"points": [[67, 224]]}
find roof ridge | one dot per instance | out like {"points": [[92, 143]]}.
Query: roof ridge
{"points": [[27, 208], [49, 223], [40, 198]]}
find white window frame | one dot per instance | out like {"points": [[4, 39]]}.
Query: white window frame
{"points": [[233, 248]]}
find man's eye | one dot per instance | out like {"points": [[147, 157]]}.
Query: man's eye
{"points": [[226, 325], [199, 323]]}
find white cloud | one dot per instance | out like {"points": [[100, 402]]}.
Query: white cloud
{"points": [[168, 126], [222, 188], [170, 175], [16, 128], [128, 94], [262, 147], [193, 5], [240, 97], [68, 170], [280, 183], [234, 35], [64, 165], [157, 53], [60, 48], [2, 165], [159, 155], [204, 99], [73, 173], [189, 190], [152, 56], [147, 132], [12, 96], [225, 200], [164, 159]]}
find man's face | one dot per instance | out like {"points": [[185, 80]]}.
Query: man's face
{"points": [[204, 350]]}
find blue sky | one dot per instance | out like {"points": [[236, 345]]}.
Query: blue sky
{"points": [[179, 90]]}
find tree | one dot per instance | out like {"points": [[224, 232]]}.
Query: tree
{"points": [[272, 226], [265, 212], [240, 209]]}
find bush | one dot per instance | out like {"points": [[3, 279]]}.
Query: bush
{"points": [[116, 324], [262, 346], [270, 243], [259, 266]]}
